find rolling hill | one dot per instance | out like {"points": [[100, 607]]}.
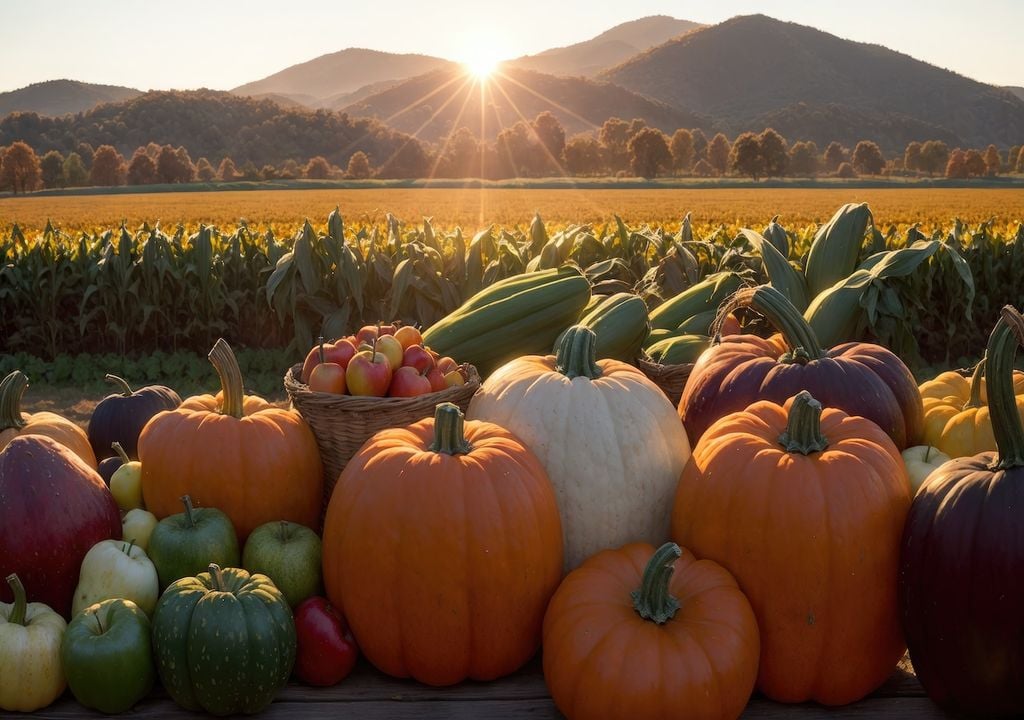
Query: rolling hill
{"points": [[315, 82], [1018, 91], [437, 103], [62, 97], [590, 57], [750, 68]]}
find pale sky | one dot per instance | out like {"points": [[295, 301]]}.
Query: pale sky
{"points": [[220, 45]]}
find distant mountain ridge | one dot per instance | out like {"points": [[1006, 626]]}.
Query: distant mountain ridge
{"points": [[62, 97]]}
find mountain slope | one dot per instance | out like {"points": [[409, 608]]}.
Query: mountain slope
{"points": [[1016, 90], [590, 57], [61, 97], [435, 104], [751, 66], [342, 72]]}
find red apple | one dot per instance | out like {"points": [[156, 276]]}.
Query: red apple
{"points": [[367, 334], [446, 365], [437, 381], [340, 352], [408, 336], [369, 374], [391, 349], [415, 356], [387, 329], [408, 382], [328, 377], [325, 650]]}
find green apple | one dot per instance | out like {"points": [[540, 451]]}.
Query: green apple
{"points": [[116, 569], [185, 544], [289, 554], [126, 482], [107, 656], [137, 525]]}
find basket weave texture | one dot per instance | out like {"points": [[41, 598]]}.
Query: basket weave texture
{"points": [[670, 378], [343, 423]]}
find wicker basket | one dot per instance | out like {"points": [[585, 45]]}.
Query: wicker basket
{"points": [[342, 423], [670, 378]]}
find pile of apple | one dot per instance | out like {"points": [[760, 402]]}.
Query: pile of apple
{"points": [[380, 361]]}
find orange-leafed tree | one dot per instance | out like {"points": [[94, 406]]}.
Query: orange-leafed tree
{"points": [[358, 166], [803, 159], [774, 152], [649, 153], [956, 167], [835, 155], [993, 163], [318, 168], [912, 156], [975, 163], [108, 167], [718, 153], [204, 170], [551, 136], [20, 170], [227, 170], [583, 155], [141, 168], [681, 147], [745, 157]]}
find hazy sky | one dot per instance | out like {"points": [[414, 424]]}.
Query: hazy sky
{"points": [[190, 43]]}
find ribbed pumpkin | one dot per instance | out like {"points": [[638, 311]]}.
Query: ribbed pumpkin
{"points": [[442, 543], [805, 508], [962, 568], [234, 452], [956, 416], [607, 436], [13, 422], [120, 417], [858, 378], [648, 634]]}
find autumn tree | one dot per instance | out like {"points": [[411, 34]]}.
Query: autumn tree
{"points": [[86, 152], [700, 144], [956, 166], [835, 155], [614, 135], [867, 158], [702, 168], [745, 157], [774, 153], [718, 153], [1020, 161], [681, 147], [52, 169], [846, 171], [516, 151], [912, 156], [268, 172], [20, 170], [551, 136], [993, 163], [75, 174], [583, 155], [153, 150], [358, 166], [974, 161], [803, 159], [227, 171], [174, 166], [108, 168], [141, 168], [462, 155], [252, 173], [204, 170], [290, 169], [649, 153], [1012, 157], [411, 160], [934, 157]]}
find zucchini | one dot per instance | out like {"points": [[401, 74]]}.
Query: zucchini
{"points": [[679, 350], [520, 315], [702, 297], [699, 323], [620, 323]]}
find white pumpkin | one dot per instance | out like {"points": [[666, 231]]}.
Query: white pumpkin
{"points": [[922, 461], [610, 440]]}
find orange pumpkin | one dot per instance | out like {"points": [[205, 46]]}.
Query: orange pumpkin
{"points": [[13, 422], [233, 452], [631, 634], [806, 509], [443, 546]]}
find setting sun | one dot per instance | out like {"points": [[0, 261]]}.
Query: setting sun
{"points": [[481, 63]]}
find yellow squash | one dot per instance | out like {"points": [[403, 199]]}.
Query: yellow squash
{"points": [[31, 676]]}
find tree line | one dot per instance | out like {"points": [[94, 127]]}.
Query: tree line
{"points": [[527, 149]]}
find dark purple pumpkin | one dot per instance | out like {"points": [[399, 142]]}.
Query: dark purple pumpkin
{"points": [[962, 565], [120, 417], [857, 378]]}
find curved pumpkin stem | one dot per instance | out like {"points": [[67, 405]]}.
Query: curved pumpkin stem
{"points": [[577, 353], [186, 500], [17, 616], [1006, 422], [116, 446], [123, 386], [223, 360], [217, 577], [12, 388], [653, 601], [803, 431], [975, 400], [783, 316], [450, 430]]}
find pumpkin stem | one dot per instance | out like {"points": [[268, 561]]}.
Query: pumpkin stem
{"points": [[783, 316], [284, 531], [120, 452], [223, 360], [975, 400], [217, 576], [652, 600], [17, 616], [1006, 422], [577, 353], [126, 389], [187, 502], [803, 431], [449, 430], [12, 388], [320, 340]]}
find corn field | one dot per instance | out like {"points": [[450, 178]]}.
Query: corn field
{"points": [[133, 291]]}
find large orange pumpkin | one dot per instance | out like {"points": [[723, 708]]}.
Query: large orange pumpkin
{"points": [[13, 422], [443, 546], [233, 452], [806, 509], [648, 634]]}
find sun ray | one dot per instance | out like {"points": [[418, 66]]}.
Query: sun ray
{"points": [[567, 111], [452, 131], [515, 108]]}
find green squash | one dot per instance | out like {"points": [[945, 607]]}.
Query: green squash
{"points": [[185, 544], [620, 323], [224, 641]]}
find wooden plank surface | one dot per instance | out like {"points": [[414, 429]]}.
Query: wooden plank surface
{"points": [[370, 695]]}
